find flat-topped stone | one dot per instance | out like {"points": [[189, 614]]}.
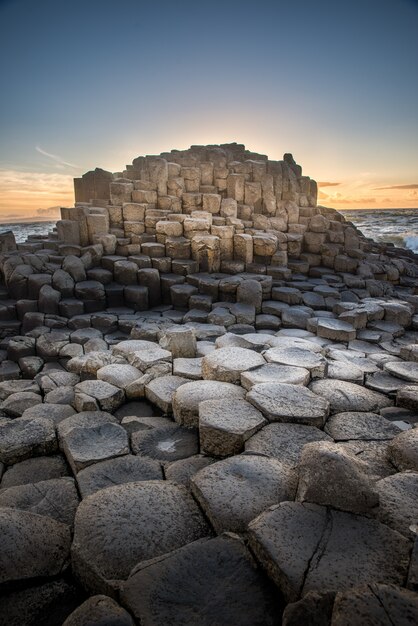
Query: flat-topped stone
{"points": [[34, 470], [181, 471], [166, 443], [86, 445], [383, 382], [56, 498], [345, 396], [353, 425], [160, 391], [225, 425], [375, 604], [188, 368], [25, 437], [284, 441], [406, 370], [227, 364], [187, 398], [280, 402], [119, 375], [207, 582], [118, 471], [31, 546], [307, 547], [141, 354], [133, 522], [97, 395], [234, 491], [298, 357], [275, 373], [335, 329]]}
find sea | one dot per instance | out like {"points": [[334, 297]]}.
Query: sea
{"points": [[397, 226]]}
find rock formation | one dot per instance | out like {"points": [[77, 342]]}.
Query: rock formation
{"points": [[208, 405]]}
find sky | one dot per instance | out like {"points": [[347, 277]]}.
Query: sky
{"points": [[95, 83]]}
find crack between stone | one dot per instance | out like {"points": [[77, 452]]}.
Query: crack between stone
{"points": [[382, 605], [319, 550]]}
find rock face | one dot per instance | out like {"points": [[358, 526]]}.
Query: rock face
{"points": [[198, 349]]}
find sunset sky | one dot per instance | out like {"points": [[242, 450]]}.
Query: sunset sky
{"points": [[97, 83]]}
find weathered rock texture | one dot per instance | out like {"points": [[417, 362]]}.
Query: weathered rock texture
{"points": [[208, 405]]}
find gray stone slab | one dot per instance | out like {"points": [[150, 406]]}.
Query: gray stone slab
{"points": [[118, 471], [187, 398], [225, 425], [280, 402], [133, 522], [24, 437], [306, 547], [206, 582], [56, 498], [344, 396], [234, 491], [31, 546]]}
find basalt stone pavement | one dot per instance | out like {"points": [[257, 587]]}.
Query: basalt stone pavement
{"points": [[246, 453]]}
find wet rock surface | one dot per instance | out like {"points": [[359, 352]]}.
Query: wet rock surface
{"points": [[208, 406]]}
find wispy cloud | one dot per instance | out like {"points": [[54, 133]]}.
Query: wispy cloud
{"points": [[59, 162], [412, 186], [328, 184], [26, 191]]}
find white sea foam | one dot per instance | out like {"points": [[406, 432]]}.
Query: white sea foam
{"points": [[397, 226]]}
